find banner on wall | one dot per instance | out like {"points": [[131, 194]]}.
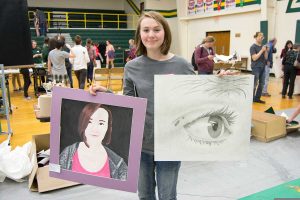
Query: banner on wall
{"points": [[199, 6], [191, 7], [219, 4], [209, 5], [229, 4]]}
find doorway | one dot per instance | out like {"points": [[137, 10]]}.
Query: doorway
{"points": [[222, 43]]}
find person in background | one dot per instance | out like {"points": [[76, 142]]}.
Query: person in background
{"points": [[290, 71], [294, 115], [132, 50], [16, 77], [36, 53], [204, 55], [92, 55], [42, 21], [36, 24], [27, 82], [287, 47], [153, 39], [56, 63], [67, 61], [99, 58], [45, 50], [80, 61], [102, 49], [38, 60], [259, 56], [271, 50], [110, 54], [52, 43]]}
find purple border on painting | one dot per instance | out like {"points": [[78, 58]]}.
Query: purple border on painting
{"points": [[137, 129]]}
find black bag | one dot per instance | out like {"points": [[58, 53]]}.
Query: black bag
{"points": [[193, 60]]}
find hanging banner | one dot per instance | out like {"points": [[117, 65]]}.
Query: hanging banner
{"points": [[199, 6], [191, 7], [209, 5], [219, 4], [241, 3], [229, 4]]}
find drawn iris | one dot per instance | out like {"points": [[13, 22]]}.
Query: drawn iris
{"points": [[216, 126], [213, 127]]}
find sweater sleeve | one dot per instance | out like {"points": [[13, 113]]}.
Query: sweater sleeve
{"points": [[199, 57], [128, 86]]}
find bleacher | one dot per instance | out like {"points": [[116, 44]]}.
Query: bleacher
{"points": [[119, 38]]}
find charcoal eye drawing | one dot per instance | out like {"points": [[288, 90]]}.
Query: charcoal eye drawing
{"points": [[202, 117]]}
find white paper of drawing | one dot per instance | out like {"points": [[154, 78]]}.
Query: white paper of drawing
{"points": [[222, 58], [202, 118]]}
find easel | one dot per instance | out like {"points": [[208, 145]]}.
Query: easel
{"points": [[5, 104], [5, 98]]}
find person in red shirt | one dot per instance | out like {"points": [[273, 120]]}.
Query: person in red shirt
{"points": [[204, 55]]}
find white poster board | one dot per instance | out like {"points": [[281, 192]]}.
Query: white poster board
{"points": [[202, 118]]}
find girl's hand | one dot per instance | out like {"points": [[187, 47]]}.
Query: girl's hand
{"points": [[223, 72], [96, 88]]}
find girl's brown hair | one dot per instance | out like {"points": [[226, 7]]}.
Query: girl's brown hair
{"points": [[84, 119], [256, 34], [165, 47]]}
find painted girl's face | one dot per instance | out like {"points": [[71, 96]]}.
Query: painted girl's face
{"points": [[107, 43], [97, 126], [152, 34], [290, 45]]}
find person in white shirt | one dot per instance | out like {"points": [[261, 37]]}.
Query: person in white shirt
{"points": [[80, 61]]}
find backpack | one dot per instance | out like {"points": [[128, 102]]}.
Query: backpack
{"points": [[193, 60]]}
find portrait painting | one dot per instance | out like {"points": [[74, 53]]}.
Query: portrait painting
{"points": [[96, 139], [203, 117]]}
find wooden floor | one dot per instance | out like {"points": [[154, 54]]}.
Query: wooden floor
{"points": [[24, 124]]}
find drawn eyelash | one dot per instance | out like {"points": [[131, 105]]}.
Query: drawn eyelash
{"points": [[229, 86]]}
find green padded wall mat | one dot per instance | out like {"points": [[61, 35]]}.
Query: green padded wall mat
{"points": [[286, 190]]}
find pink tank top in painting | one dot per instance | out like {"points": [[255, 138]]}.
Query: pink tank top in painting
{"points": [[76, 167]]}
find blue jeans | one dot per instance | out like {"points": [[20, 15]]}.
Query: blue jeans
{"points": [[267, 75], [166, 178], [43, 29], [69, 72], [259, 76], [90, 71]]}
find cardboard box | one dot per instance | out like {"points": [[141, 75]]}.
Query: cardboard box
{"points": [[39, 180], [291, 129], [267, 127]]}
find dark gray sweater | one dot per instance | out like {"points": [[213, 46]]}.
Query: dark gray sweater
{"points": [[139, 81]]}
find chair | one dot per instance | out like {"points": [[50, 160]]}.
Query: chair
{"points": [[101, 74], [238, 65], [116, 74]]}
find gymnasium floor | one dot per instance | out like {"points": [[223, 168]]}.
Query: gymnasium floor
{"points": [[268, 164]]}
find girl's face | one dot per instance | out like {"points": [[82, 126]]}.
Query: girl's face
{"points": [[107, 43], [97, 126], [152, 34], [260, 37], [290, 45]]}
